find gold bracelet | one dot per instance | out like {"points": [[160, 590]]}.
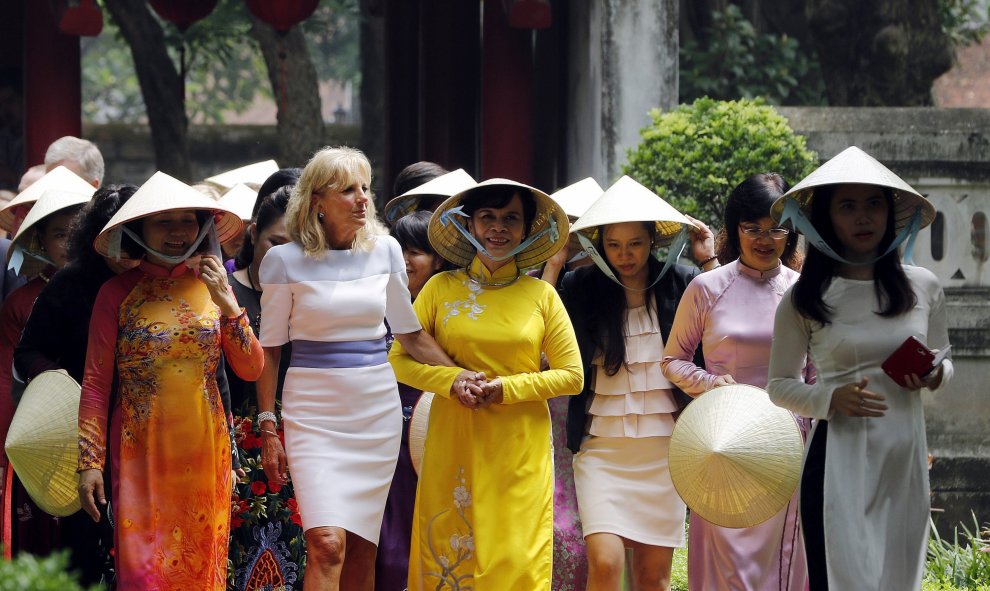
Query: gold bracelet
{"points": [[266, 431]]}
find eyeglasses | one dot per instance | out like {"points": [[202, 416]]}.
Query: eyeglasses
{"points": [[773, 233]]}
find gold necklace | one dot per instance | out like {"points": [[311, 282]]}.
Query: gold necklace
{"points": [[484, 283]]}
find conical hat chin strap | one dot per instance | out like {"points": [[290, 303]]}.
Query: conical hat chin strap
{"points": [[17, 255], [447, 217], [794, 215], [208, 229], [673, 253]]}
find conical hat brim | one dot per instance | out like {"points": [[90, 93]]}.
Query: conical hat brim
{"points": [[444, 186], [52, 201], [419, 424], [577, 198], [629, 201], [163, 193], [252, 175], [454, 247], [60, 178], [240, 199], [43, 442], [735, 458], [853, 166]]}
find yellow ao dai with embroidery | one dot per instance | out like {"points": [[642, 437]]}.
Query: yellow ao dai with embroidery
{"points": [[484, 506]]}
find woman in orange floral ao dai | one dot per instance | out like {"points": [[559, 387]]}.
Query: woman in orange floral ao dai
{"points": [[159, 329]]}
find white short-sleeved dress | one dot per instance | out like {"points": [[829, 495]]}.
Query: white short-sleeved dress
{"points": [[340, 402]]}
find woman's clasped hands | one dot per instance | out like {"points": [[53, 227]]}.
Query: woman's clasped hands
{"points": [[474, 390]]}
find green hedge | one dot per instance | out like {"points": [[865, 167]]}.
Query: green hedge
{"points": [[30, 573], [695, 155]]}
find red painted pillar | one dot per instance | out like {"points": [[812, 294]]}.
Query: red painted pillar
{"points": [[52, 82], [506, 98]]}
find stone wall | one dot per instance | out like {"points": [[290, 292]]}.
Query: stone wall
{"points": [[130, 156], [611, 45], [945, 154]]}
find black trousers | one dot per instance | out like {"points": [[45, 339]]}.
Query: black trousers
{"points": [[812, 501]]}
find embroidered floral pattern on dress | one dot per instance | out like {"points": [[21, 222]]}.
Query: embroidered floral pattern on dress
{"points": [[141, 339], [236, 330], [267, 547], [469, 306], [173, 509], [459, 553]]}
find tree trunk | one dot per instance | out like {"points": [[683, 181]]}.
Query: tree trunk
{"points": [[373, 89], [296, 89], [882, 52], [160, 83]]}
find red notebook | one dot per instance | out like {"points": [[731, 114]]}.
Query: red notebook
{"points": [[912, 357]]}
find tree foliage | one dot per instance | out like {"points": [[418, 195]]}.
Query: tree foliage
{"points": [[733, 60], [695, 155], [225, 67], [965, 21]]}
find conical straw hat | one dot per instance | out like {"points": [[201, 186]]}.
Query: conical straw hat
{"points": [[418, 426], [855, 167], [629, 201], [52, 201], [578, 197], [240, 199], [444, 186], [43, 442], [163, 193], [454, 247], [59, 177], [735, 457], [252, 175]]}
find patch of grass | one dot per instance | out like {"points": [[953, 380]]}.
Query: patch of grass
{"points": [[963, 563]]}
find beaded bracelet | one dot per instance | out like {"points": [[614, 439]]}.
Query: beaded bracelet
{"points": [[267, 416], [706, 261]]}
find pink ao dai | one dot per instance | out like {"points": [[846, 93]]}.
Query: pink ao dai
{"points": [[730, 312]]}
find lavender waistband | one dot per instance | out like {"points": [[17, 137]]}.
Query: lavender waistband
{"points": [[323, 355]]}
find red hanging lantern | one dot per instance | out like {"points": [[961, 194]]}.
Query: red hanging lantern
{"points": [[183, 13], [282, 15], [529, 14], [79, 17]]}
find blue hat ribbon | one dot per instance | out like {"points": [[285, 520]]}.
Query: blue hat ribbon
{"points": [[795, 216], [673, 253], [448, 217]]}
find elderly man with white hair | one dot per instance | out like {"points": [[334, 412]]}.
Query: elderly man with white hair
{"points": [[78, 155]]}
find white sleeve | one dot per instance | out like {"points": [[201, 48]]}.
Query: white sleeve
{"points": [[938, 331], [791, 338], [276, 300], [398, 303]]}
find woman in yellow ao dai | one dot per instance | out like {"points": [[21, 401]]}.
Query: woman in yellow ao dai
{"points": [[484, 506]]}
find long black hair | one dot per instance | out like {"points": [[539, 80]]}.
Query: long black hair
{"points": [[750, 201], [412, 231], [271, 208], [607, 319], [106, 201], [893, 290], [416, 174], [283, 177]]}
